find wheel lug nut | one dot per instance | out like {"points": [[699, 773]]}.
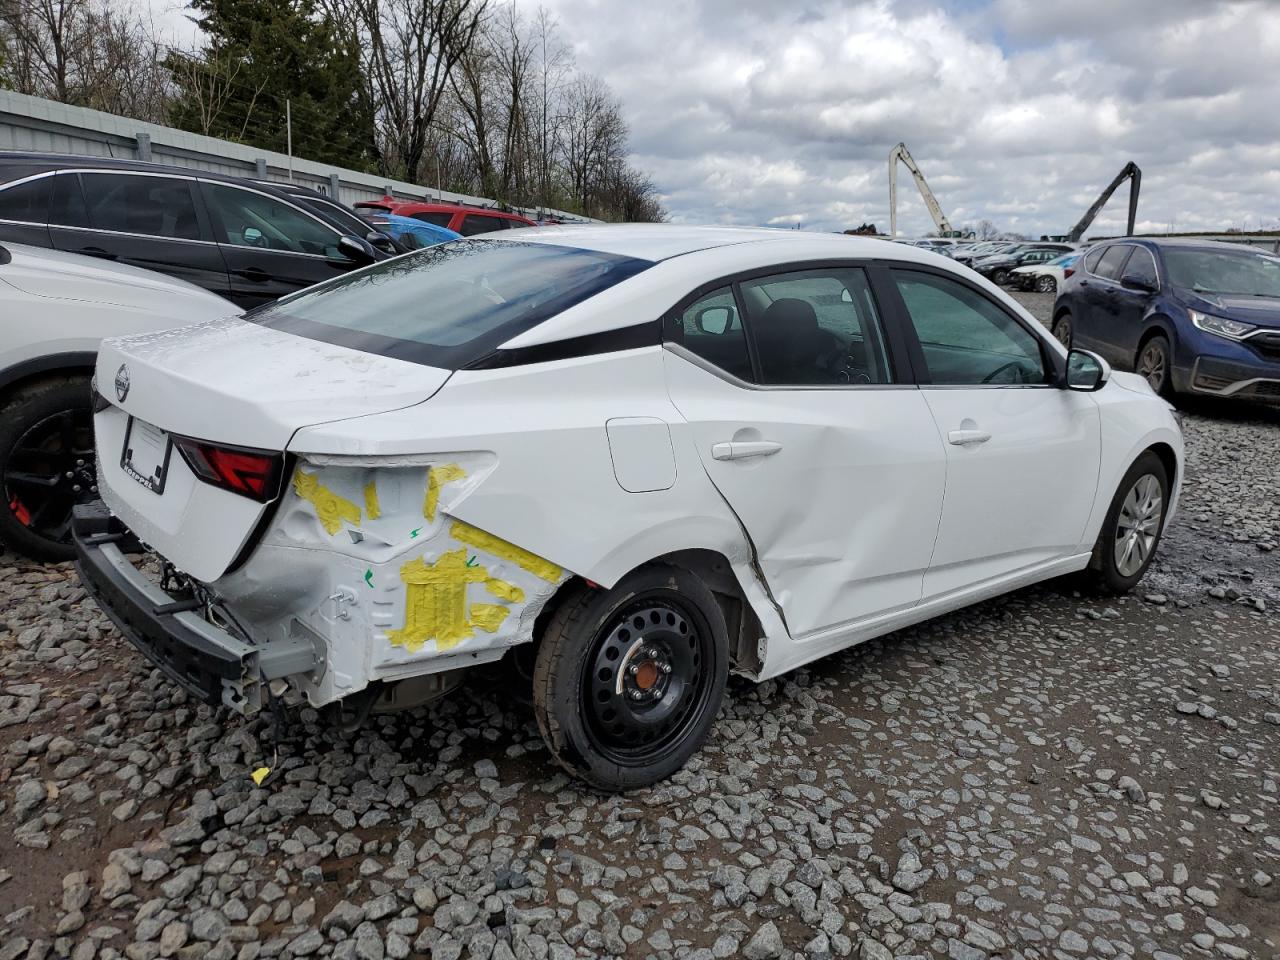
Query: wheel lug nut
{"points": [[70, 474], [637, 694], [633, 669], [75, 488], [664, 667]]}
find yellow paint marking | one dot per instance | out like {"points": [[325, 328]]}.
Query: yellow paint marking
{"points": [[498, 547], [435, 605], [371, 506], [437, 477], [488, 616], [260, 774], [331, 508]]}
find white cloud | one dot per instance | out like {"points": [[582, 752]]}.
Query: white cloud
{"points": [[1017, 110]]}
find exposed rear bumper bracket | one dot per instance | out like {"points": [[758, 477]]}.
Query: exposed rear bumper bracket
{"points": [[205, 660]]}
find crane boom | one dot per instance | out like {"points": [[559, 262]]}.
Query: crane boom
{"points": [[1130, 170], [939, 218]]}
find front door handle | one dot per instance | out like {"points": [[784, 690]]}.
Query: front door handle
{"points": [[962, 438], [742, 449], [255, 274]]}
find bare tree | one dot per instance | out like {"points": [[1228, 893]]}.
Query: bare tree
{"points": [[409, 49]]}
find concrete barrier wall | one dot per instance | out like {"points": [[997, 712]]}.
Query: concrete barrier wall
{"points": [[35, 124]]}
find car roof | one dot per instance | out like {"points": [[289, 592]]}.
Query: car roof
{"points": [[661, 241], [1191, 243], [443, 206]]}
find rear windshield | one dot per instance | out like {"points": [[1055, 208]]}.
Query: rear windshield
{"points": [[1204, 271], [449, 305]]}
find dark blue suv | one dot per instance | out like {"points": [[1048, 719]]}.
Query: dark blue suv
{"points": [[1192, 316]]}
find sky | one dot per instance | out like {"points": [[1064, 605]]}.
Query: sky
{"points": [[783, 112]]}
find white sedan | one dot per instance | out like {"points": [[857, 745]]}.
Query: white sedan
{"points": [[641, 456]]}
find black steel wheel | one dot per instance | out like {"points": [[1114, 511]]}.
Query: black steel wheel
{"points": [[628, 681], [47, 466]]}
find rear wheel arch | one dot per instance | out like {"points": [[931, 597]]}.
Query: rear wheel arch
{"points": [[60, 366]]}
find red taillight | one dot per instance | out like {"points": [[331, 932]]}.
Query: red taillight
{"points": [[250, 473], [1067, 271]]}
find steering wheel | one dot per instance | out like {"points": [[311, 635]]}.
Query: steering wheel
{"points": [[1012, 364]]}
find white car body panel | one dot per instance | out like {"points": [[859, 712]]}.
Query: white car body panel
{"points": [[55, 304], [431, 515]]}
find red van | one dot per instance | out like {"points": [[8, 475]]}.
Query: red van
{"points": [[462, 219]]}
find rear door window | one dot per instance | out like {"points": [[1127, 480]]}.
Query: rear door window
{"points": [[133, 203], [440, 218], [1112, 262], [67, 207], [26, 202], [450, 305], [473, 224]]}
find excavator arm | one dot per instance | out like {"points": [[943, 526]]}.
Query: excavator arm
{"points": [[935, 210], [1130, 170]]}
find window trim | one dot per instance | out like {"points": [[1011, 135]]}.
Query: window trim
{"points": [[1055, 363], [895, 344]]}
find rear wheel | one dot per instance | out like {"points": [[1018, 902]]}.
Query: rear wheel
{"points": [[1062, 329], [1046, 284], [1133, 526], [1000, 276], [1153, 364], [47, 465], [628, 681]]}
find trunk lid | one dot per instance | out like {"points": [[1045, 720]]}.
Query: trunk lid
{"points": [[236, 382], [233, 383]]}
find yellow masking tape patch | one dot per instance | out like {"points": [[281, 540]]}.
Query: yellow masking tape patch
{"points": [[331, 508], [371, 507], [437, 477], [488, 616], [436, 602], [498, 547]]}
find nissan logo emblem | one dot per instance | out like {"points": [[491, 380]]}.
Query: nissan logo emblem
{"points": [[122, 382]]}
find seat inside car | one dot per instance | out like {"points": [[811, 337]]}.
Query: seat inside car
{"points": [[793, 347]]}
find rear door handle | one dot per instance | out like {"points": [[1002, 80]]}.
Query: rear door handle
{"points": [[963, 438], [742, 449], [98, 252], [256, 274]]}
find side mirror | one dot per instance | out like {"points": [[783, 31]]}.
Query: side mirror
{"points": [[1138, 283], [1086, 371], [713, 320], [356, 249], [381, 241]]}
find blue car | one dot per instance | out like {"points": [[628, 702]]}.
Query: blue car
{"points": [[1191, 316], [415, 234]]}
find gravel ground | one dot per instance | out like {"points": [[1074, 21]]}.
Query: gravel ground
{"points": [[1043, 775]]}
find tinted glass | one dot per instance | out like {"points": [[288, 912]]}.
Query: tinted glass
{"points": [[1205, 271], [1141, 267], [448, 305], [26, 202], [440, 218], [712, 329], [1112, 261], [965, 337], [335, 213], [472, 224], [67, 207], [816, 327], [250, 219], [129, 203], [1091, 260]]}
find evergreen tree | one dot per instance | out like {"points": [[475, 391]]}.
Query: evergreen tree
{"points": [[262, 54]]}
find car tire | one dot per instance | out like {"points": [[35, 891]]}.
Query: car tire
{"points": [[1046, 284], [1062, 330], [1000, 277], [46, 431], [1133, 527], [628, 681], [1153, 363]]}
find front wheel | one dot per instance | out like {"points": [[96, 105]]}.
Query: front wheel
{"points": [[1153, 363], [628, 681], [1133, 526]]}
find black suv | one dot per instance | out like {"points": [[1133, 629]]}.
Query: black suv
{"points": [[245, 240]]}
